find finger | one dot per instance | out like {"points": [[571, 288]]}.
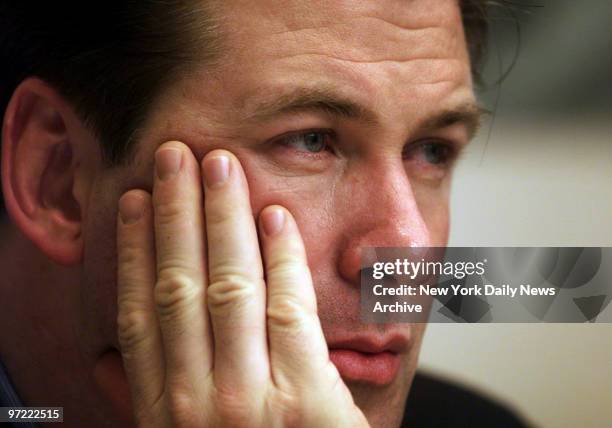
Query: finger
{"points": [[298, 351], [236, 290], [138, 329], [180, 286]]}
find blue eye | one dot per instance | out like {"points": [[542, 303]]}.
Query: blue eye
{"points": [[436, 154], [311, 141], [430, 160], [432, 153]]}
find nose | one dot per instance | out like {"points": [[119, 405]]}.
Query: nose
{"points": [[382, 212]]}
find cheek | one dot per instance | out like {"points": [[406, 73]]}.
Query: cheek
{"points": [[98, 306], [433, 204], [436, 216], [307, 198]]}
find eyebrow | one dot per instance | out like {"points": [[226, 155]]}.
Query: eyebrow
{"points": [[326, 100], [317, 99], [469, 114]]}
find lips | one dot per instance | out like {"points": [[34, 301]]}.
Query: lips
{"points": [[372, 360]]}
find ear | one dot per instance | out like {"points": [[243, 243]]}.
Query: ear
{"points": [[43, 148]]}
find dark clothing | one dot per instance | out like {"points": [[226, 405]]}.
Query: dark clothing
{"points": [[436, 403], [9, 398]]}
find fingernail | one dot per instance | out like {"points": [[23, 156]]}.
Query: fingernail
{"points": [[167, 163], [131, 208], [273, 221], [216, 171]]}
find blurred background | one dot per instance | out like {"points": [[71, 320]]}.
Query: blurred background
{"points": [[538, 174]]}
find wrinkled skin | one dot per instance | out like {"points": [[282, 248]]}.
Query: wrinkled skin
{"points": [[402, 62]]}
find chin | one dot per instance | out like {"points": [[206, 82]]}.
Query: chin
{"points": [[383, 405]]}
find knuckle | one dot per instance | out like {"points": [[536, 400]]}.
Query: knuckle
{"points": [[224, 211], [132, 327], [219, 217], [183, 409], [129, 253], [172, 294], [229, 290], [287, 266], [167, 210], [234, 408], [285, 311]]}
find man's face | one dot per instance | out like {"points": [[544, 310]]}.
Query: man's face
{"points": [[348, 113]]}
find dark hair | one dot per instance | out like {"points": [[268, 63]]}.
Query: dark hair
{"points": [[476, 25], [110, 59]]}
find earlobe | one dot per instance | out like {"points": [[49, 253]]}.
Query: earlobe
{"points": [[39, 171]]}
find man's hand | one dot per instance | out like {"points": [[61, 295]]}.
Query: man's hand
{"points": [[211, 336]]}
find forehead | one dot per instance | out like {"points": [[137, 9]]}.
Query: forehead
{"points": [[379, 28], [381, 50]]}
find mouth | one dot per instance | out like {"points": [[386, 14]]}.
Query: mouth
{"points": [[369, 360]]}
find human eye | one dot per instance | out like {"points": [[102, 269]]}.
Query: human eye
{"points": [[430, 159], [310, 143]]}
